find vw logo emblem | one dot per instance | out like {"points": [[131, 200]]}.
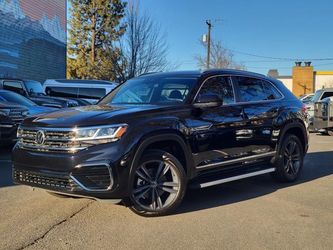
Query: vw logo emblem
{"points": [[40, 137]]}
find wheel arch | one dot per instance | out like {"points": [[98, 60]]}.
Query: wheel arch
{"points": [[297, 128], [161, 142]]}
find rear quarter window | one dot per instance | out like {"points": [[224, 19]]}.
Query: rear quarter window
{"points": [[253, 89]]}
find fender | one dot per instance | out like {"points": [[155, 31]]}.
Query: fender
{"points": [[159, 138], [294, 124]]}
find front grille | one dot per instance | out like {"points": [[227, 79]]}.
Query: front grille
{"points": [[17, 115], [49, 180], [54, 140]]}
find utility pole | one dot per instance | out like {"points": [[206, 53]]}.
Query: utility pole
{"points": [[209, 24]]}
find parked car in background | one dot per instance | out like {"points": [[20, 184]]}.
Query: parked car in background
{"points": [[14, 98], [88, 90], [323, 116], [34, 91], [318, 96], [306, 98], [155, 135], [11, 115]]}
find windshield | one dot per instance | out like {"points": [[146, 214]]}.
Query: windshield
{"points": [[316, 97], [152, 90], [16, 98], [34, 87]]}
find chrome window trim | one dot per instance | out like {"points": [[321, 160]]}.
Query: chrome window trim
{"points": [[232, 83]]}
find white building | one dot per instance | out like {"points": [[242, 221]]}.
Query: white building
{"points": [[321, 79]]}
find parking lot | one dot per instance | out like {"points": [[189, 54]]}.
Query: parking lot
{"points": [[254, 213]]}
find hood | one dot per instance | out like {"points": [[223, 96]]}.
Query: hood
{"points": [[95, 115], [35, 110], [11, 105]]}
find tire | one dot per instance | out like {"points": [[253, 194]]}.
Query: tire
{"points": [[291, 158], [158, 186]]}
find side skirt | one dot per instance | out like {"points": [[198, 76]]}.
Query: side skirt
{"points": [[236, 161], [234, 178]]}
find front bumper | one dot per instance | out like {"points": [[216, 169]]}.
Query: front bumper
{"points": [[98, 172]]}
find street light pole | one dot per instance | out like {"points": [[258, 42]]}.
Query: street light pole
{"points": [[209, 24]]}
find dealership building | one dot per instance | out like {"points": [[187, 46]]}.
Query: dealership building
{"points": [[33, 39], [305, 79]]}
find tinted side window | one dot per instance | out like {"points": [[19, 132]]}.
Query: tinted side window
{"points": [[91, 93], [220, 86], [14, 86], [251, 89], [62, 91], [271, 92], [174, 91], [326, 94]]}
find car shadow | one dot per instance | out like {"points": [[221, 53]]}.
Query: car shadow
{"points": [[316, 165]]}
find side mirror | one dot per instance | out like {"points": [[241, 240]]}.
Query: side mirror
{"points": [[208, 101]]}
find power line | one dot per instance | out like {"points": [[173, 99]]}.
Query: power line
{"points": [[282, 58], [267, 67]]}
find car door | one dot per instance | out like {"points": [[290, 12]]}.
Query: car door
{"points": [[260, 104], [213, 129]]}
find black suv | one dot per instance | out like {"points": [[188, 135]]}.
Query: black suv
{"points": [[155, 135], [11, 115], [34, 91]]}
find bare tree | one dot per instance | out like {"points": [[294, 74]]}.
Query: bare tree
{"points": [[220, 57], [143, 47]]}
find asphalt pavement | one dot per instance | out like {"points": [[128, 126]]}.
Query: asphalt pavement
{"points": [[255, 213]]}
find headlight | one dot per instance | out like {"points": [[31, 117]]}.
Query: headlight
{"points": [[4, 112], [97, 135]]}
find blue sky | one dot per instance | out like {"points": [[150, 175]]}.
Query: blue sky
{"points": [[273, 28]]}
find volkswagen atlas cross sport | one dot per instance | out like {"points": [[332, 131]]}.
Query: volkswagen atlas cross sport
{"points": [[157, 134]]}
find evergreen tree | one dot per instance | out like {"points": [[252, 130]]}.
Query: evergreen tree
{"points": [[95, 27]]}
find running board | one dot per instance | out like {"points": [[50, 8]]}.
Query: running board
{"points": [[237, 177]]}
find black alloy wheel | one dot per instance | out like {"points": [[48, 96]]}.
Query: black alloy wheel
{"points": [[291, 157], [159, 184]]}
